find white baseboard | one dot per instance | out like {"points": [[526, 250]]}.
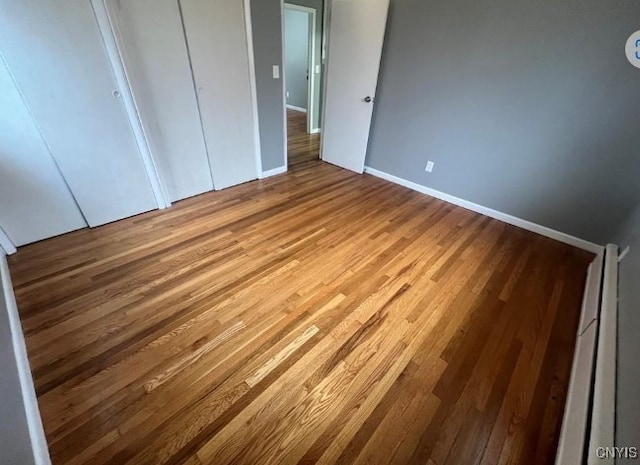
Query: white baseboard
{"points": [[34, 421], [273, 172], [6, 245], [524, 224], [295, 108]]}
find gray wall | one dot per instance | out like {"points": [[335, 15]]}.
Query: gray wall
{"points": [[628, 399], [15, 444], [296, 52], [267, 45], [530, 108]]}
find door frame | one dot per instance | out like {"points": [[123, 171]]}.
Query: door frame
{"points": [[311, 59], [248, 27], [283, 78], [115, 52], [326, 28]]}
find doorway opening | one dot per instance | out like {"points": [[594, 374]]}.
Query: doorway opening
{"points": [[303, 65]]}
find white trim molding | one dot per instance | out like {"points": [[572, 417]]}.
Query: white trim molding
{"points": [[254, 85], [6, 246], [326, 26], [295, 108], [504, 217], [311, 63], [273, 172], [34, 421], [283, 78]]}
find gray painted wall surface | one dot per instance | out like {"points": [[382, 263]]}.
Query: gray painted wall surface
{"points": [[296, 52], [628, 399], [317, 5], [267, 46], [530, 108], [15, 444]]}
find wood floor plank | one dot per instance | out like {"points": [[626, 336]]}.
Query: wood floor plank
{"points": [[318, 316]]}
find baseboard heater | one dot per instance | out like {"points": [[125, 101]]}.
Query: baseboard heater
{"points": [[588, 426]]}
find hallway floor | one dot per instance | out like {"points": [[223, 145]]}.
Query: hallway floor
{"points": [[304, 149]]}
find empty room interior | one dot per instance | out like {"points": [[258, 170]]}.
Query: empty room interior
{"points": [[319, 232]]}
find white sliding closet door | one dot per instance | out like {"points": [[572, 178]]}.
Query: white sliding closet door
{"points": [[35, 202], [56, 54], [217, 41], [152, 43]]}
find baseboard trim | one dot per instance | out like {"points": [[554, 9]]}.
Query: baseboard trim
{"points": [[316, 131], [504, 217], [273, 172], [295, 108], [34, 421]]}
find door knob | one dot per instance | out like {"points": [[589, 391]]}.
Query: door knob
{"points": [[368, 99]]}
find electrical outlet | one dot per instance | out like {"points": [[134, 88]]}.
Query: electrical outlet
{"points": [[429, 167], [287, 94]]}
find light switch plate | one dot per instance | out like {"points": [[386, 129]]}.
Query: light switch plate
{"points": [[276, 72]]}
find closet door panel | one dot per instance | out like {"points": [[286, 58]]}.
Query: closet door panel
{"points": [[55, 51], [152, 42], [217, 41], [35, 202]]}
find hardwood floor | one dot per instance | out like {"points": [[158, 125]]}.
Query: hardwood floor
{"points": [[314, 317], [303, 148]]}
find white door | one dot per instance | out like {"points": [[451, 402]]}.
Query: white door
{"points": [[151, 40], [35, 202], [356, 36], [217, 41], [57, 56]]}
